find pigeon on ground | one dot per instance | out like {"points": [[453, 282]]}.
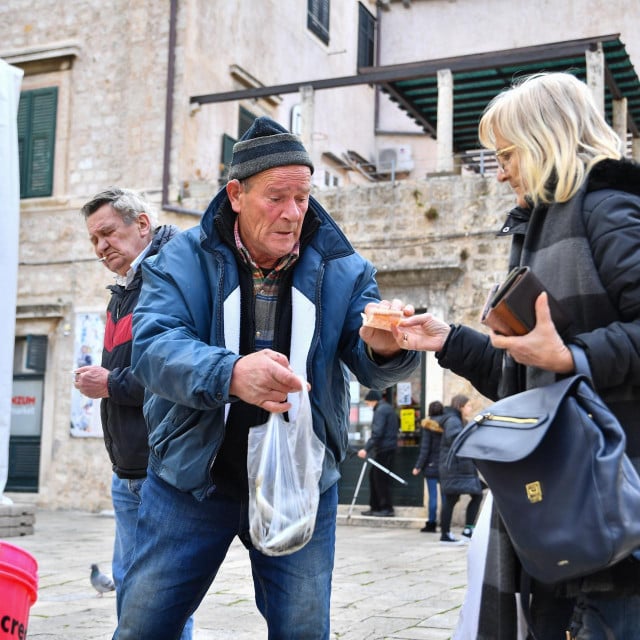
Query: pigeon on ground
{"points": [[101, 582]]}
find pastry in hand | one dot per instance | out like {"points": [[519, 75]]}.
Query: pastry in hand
{"points": [[381, 318]]}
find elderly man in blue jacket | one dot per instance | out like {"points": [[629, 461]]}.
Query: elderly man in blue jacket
{"points": [[233, 313]]}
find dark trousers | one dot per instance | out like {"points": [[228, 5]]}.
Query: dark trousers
{"points": [[380, 482], [449, 502]]}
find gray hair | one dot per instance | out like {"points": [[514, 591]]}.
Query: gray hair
{"points": [[126, 203]]}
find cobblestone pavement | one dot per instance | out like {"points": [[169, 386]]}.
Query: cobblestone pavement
{"points": [[390, 582]]}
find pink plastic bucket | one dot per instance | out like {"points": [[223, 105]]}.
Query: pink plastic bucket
{"points": [[18, 590]]}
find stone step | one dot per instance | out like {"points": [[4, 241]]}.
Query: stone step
{"points": [[15, 532], [405, 517], [16, 520]]}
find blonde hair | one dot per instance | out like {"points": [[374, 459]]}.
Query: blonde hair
{"points": [[557, 129]]}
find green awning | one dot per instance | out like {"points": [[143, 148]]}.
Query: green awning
{"points": [[478, 78]]}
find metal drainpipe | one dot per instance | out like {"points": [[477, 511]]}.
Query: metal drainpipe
{"points": [[168, 117]]}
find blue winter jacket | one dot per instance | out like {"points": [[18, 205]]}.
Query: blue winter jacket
{"points": [[186, 331]]}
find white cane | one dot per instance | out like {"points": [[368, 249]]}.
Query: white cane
{"points": [[389, 473], [355, 495]]}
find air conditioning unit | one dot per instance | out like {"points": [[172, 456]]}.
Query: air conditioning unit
{"points": [[394, 159]]}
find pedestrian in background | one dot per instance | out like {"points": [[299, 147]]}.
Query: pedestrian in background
{"points": [[429, 459], [381, 446], [461, 476], [123, 229]]}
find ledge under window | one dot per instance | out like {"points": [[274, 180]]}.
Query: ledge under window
{"points": [[43, 59]]}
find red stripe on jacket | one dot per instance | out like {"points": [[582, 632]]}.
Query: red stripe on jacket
{"points": [[117, 333]]}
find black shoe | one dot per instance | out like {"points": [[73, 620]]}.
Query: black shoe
{"points": [[384, 513], [369, 512], [429, 527], [447, 538]]}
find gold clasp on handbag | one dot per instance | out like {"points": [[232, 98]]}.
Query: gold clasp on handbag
{"points": [[490, 416], [534, 491]]}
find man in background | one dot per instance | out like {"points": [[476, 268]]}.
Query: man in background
{"points": [[381, 446], [123, 229]]}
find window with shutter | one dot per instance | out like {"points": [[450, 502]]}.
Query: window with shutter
{"points": [[37, 353], [36, 141], [226, 156], [245, 120], [318, 18], [366, 37]]}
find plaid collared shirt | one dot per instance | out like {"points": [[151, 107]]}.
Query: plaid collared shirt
{"points": [[266, 286]]}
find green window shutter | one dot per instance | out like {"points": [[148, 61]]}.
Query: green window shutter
{"points": [[366, 37], [37, 353], [226, 156], [36, 141], [245, 120], [318, 18]]}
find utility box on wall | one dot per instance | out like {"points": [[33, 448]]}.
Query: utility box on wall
{"points": [[397, 159]]}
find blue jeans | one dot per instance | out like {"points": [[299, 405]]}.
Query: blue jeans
{"points": [[180, 545], [125, 495], [606, 617], [432, 487], [590, 616]]}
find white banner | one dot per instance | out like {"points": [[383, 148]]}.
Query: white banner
{"points": [[10, 82]]}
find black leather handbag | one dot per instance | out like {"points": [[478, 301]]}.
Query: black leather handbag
{"points": [[554, 459]]}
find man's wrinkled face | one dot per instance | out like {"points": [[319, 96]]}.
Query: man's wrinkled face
{"points": [[115, 241], [271, 207]]}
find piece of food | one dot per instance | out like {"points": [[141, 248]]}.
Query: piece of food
{"points": [[381, 318]]}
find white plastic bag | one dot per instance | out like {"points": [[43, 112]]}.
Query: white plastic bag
{"points": [[284, 464]]}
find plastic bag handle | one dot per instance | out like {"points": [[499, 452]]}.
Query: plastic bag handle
{"points": [[302, 396]]}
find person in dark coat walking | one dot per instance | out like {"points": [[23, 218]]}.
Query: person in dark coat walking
{"points": [[461, 477], [428, 459], [382, 447]]}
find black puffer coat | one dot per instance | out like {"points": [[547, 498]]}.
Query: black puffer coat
{"points": [[429, 456], [461, 476], [585, 252]]}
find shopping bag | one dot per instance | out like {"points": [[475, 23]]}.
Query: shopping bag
{"points": [[284, 464]]}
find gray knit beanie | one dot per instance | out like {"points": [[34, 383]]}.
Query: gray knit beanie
{"points": [[265, 145]]}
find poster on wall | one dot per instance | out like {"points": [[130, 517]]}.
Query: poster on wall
{"points": [[85, 412], [407, 420], [403, 397]]}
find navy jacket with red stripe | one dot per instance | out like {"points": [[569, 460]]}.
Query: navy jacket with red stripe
{"points": [[123, 424]]}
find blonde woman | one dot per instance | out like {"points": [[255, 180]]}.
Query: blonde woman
{"points": [[577, 226]]}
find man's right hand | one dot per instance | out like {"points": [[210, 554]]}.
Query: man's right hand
{"points": [[265, 379], [92, 381]]}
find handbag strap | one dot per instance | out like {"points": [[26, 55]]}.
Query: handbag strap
{"points": [[525, 602], [580, 360]]}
